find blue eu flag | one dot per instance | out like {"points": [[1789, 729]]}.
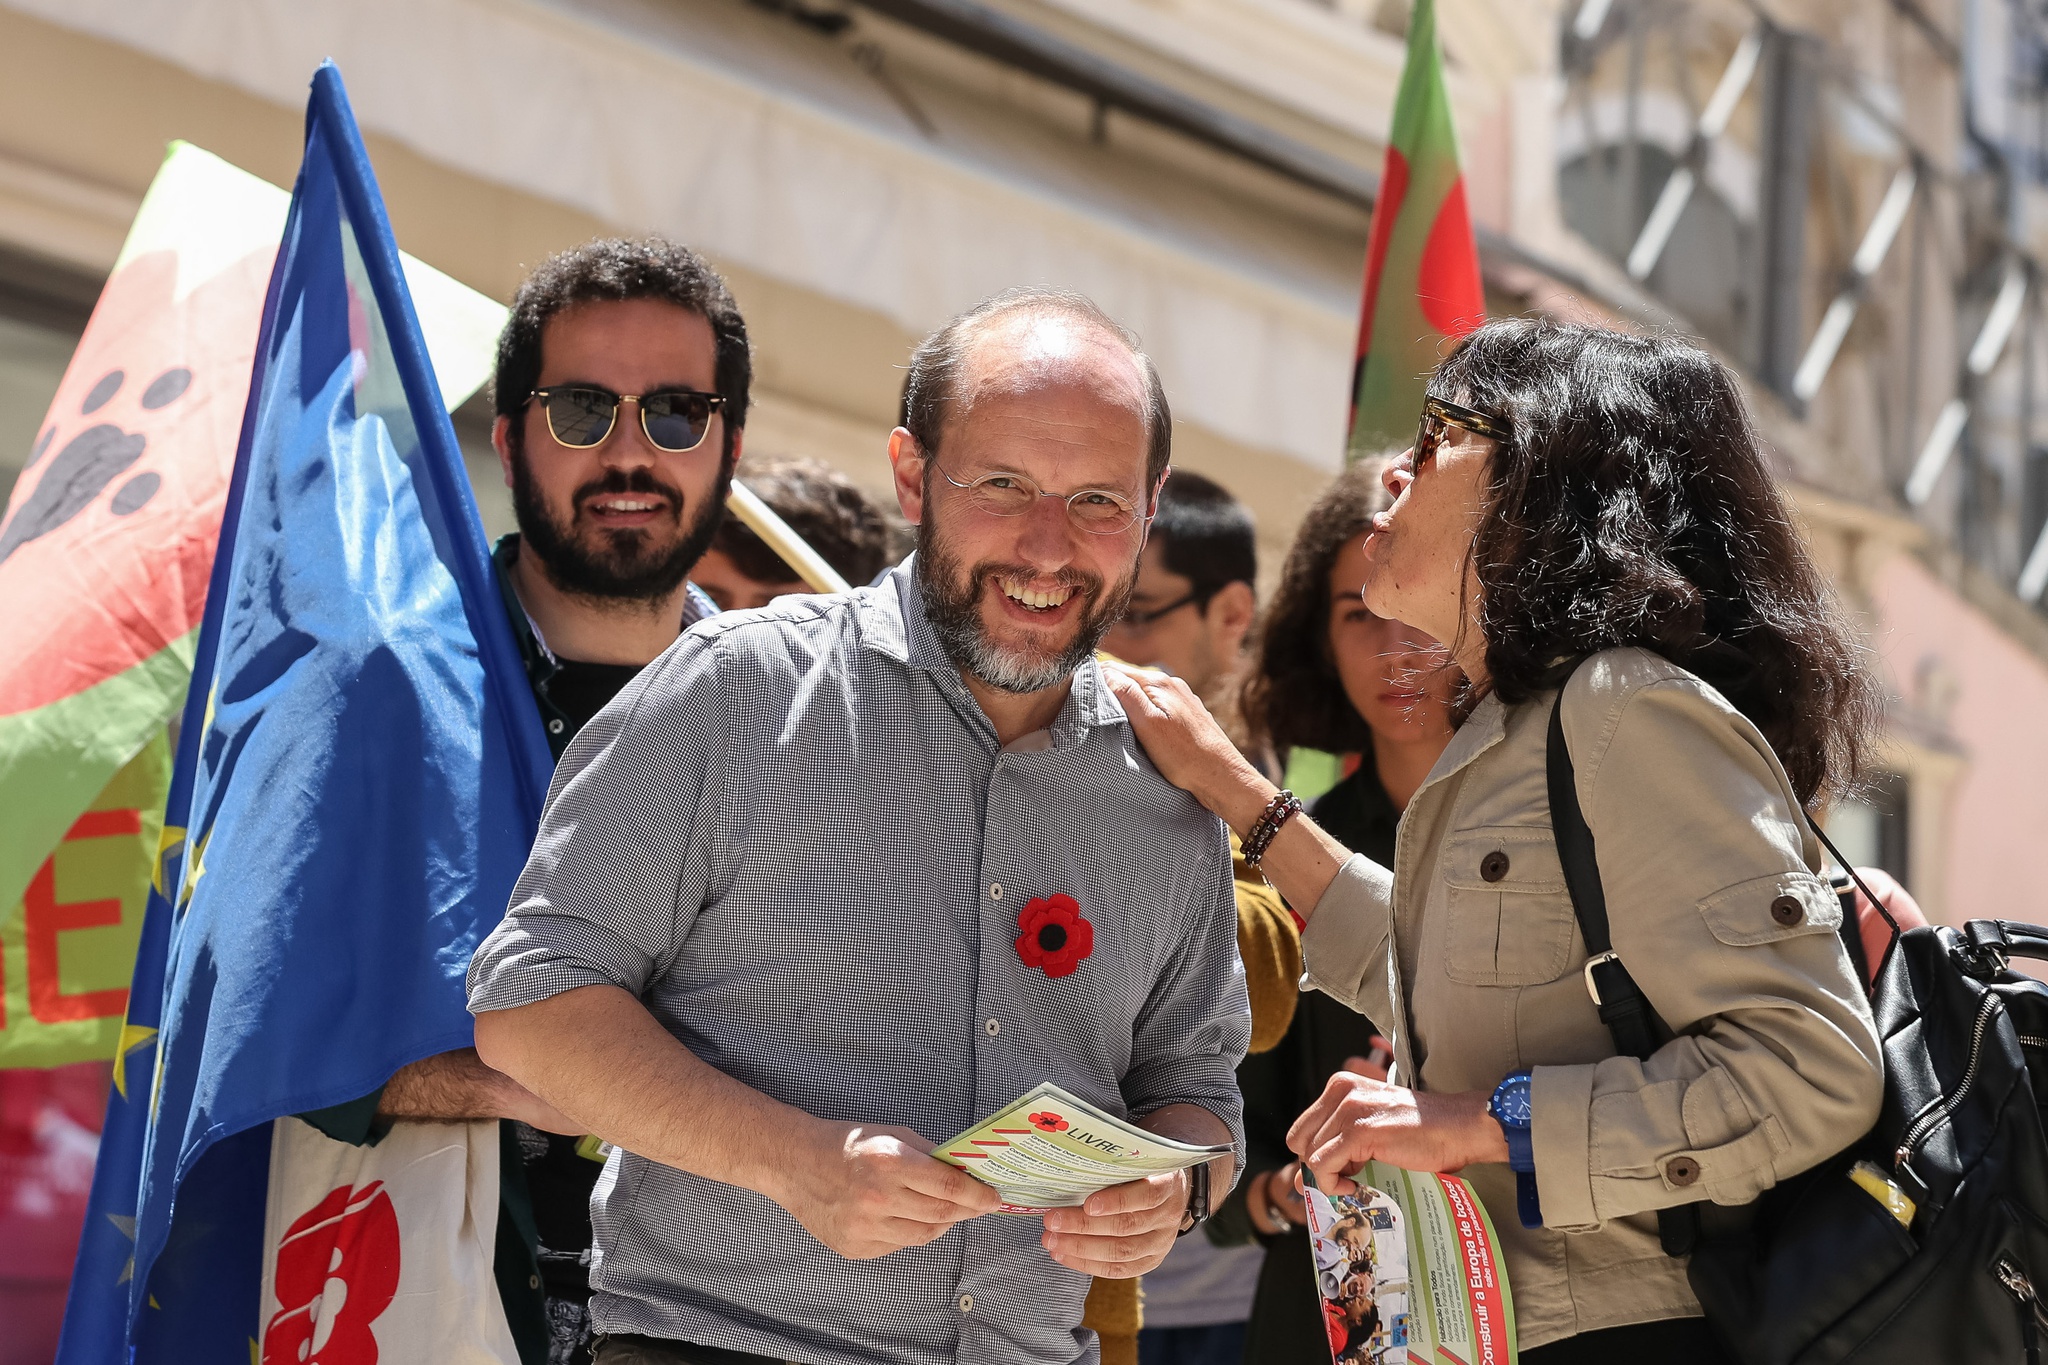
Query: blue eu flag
{"points": [[359, 775]]}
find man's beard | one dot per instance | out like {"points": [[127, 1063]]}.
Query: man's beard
{"points": [[955, 613], [634, 564]]}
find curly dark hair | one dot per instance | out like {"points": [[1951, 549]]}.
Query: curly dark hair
{"points": [[1635, 505], [1292, 696], [849, 529], [616, 269]]}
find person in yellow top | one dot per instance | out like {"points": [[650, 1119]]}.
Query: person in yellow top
{"points": [[1192, 607]]}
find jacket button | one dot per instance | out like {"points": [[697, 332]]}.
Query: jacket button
{"points": [[555, 727], [1682, 1170], [1494, 866], [1788, 910]]}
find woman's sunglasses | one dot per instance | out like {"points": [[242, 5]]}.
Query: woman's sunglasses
{"points": [[581, 416], [1438, 416]]}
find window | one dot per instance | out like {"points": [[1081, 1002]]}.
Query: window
{"points": [[43, 309], [1870, 827], [1701, 273]]}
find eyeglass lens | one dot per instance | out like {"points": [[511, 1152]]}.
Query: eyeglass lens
{"points": [[675, 421], [1092, 509], [582, 418], [1428, 437]]}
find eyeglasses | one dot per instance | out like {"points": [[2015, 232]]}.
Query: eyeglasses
{"points": [[1097, 511], [581, 416], [1437, 414], [1142, 621]]}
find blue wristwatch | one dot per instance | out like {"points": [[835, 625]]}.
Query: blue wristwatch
{"points": [[1510, 1108]]}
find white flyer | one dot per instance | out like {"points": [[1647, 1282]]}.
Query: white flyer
{"points": [[1048, 1150]]}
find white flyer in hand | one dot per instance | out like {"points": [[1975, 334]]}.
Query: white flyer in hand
{"points": [[1049, 1150]]}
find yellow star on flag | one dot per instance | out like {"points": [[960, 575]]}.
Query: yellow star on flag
{"points": [[167, 844], [195, 871], [133, 1036], [126, 1227]]}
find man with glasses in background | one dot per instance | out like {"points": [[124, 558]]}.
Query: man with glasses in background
{"points": [[1195, 601], [621, 391], [843, 876], [1189, 615]]}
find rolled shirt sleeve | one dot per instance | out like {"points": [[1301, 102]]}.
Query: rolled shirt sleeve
{"points": [[1775, 1061], [1187, 1042], [625, 854]]}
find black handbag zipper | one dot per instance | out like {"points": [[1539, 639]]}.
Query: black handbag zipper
{"points": [[1937, 1111], [2032, 1317]]}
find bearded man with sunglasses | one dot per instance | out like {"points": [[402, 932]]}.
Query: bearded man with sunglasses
{"points": [[841, 877], [621, 391]]}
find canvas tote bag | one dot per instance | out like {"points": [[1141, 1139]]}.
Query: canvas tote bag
{"points": [[381, 1255]]}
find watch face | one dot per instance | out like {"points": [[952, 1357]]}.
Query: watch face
{"points": [[1511, 1102]]}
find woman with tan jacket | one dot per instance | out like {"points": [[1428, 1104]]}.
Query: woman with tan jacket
{"points": [[1587, 504]]}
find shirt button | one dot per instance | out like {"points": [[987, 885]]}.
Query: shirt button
{"points": [[1787, 910], [555, 727], [995, 891], [1494, 866], [992, 1027], [967, 1303], [1682, 1171]]}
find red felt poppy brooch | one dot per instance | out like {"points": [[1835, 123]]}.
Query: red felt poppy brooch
{"points": [[1052, 936]]}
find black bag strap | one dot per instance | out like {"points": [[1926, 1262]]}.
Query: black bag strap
{"points": [[1623, 1007], [1851, 934], [1852, 923]]}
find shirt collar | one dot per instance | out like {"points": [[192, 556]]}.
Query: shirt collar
{"points": [[697, 604], [894, 623], [1484, 728]]}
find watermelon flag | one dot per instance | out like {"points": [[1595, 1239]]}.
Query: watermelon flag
{"points": [[360, 770], [1421, 262], [104, 556]]}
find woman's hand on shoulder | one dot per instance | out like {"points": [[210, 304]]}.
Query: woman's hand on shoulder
{"points": [[1359, 1119], [1187, 745]]}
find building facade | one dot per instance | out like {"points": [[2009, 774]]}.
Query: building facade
{"points": [[1205, 169]]}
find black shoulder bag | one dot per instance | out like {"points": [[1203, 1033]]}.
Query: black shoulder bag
{"points": [[1818, 1271]]}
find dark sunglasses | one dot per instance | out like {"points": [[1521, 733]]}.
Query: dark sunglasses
{"points": [[581, 416], [1438, 415]]}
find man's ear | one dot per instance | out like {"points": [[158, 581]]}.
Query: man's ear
{"points": [[732, 461], [501, 441], [1230, 614], [906, 463]]}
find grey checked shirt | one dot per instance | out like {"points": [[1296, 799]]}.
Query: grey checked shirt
{"points": [[796, 839]]}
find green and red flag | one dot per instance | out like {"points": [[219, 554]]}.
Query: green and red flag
{"points": [[105, 553], [1422, 282]]}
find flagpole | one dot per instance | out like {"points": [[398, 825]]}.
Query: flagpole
{"points": [[762, 520]]}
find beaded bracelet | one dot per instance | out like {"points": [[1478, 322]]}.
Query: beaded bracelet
{"points": [[1284, 806]]}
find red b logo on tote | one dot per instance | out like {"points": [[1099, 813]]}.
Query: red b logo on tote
{"points": [[337, 1270]]}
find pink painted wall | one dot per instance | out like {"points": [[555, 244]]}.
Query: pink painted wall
{"points": [[1998, 712]]}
